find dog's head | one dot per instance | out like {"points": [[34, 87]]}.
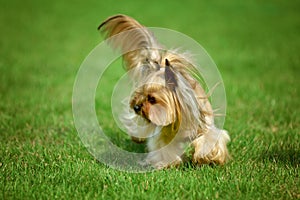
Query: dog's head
{"points": [[156, 99]]}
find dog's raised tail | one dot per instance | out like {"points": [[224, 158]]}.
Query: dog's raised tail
{"points": [[136, 42]]}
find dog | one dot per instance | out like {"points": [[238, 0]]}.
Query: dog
{"points": [[168, 107]]}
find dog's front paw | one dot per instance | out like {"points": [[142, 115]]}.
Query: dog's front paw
{"points": [[159, 161], [211, 148], [138, 140]]}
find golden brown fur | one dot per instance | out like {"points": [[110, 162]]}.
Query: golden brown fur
{"points": [[167, 96]]}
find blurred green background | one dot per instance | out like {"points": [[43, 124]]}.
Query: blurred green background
{"points": [[255, 45]]}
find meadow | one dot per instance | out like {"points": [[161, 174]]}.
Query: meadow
{"points": [[255, 45]]}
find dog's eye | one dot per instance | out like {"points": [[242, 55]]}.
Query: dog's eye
{"points": [[137, 108], [151, 99]]}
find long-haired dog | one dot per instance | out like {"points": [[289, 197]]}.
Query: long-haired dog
{"points": [[168, 107]]}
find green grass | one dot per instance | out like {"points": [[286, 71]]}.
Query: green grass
{"points": [[256, 47]]}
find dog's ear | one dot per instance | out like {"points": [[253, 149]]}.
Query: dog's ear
{"points": [[136, 42], [159, 115], [170, 77]]}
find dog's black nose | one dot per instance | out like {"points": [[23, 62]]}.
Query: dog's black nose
{"points": [[137, 108]]}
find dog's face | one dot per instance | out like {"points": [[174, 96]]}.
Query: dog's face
{"points": [[155, 101]]}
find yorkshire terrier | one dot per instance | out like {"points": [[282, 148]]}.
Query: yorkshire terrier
{"points": [[168, 107]]}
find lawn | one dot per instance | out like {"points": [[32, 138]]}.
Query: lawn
{"points": [[255, 45]]}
